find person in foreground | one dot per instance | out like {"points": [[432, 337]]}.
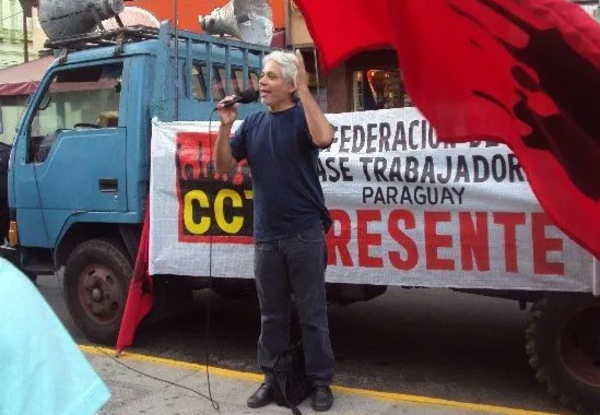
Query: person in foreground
{"points": [[281, 146], [42, 370]]}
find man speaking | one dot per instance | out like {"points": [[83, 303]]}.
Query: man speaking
{"points": [[290, 218]]}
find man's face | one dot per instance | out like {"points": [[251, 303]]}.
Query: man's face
{"points": [[275, 91]]}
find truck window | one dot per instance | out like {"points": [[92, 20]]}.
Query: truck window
{"points": [[222, 79], [76, 99], [239, 79], [200, 81], [254, 77], [199, 74]]}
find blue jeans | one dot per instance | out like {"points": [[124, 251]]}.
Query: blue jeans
{"points": [[294, 266]]}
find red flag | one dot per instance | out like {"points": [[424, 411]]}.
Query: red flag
{"points": [[140, 298], [522, 72]]}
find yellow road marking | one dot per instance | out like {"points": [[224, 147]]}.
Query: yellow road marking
{"points": [[383, 396], [172, 363]]}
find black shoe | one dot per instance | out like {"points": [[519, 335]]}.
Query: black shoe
{"points": [[322, 398], [263, 396]]}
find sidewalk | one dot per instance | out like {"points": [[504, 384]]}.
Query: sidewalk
{"points": [[133, 393]]}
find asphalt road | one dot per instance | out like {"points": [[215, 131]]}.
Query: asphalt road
{"points": [[433, 343]]}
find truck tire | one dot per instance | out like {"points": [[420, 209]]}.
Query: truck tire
{"points": [[96, 283], [563, 346]]}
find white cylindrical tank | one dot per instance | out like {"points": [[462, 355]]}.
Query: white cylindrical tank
{"points": [[60, 18]]}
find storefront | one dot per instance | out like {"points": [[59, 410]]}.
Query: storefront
{"points": [[368, 81]]}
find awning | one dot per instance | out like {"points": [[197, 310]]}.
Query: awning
{"points": [[23, 79]]}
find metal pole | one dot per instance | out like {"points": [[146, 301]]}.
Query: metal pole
{"points": [[25, 39], [316, 59], [176, 17]]}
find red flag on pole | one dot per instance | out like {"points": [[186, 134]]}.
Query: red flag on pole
{"points": [[522, 72], [140, 298]]}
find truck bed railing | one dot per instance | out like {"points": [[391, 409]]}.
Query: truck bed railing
{"points": [[228, 45], [113, 37], [184, 48]]}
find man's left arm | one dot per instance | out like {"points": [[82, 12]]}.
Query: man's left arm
{"points": [[318, 126]]}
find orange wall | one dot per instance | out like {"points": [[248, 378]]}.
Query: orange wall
{"points": [[189, 10]]}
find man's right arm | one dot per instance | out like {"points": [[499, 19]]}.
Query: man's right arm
{"points": [[224, 160]]}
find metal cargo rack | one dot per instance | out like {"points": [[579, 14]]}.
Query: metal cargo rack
{"points": [[113, 37]]}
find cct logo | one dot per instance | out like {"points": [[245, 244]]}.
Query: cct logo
{"points": [[217, 210]]}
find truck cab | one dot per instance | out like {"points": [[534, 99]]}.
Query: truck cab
{"points": [[80, 166]]}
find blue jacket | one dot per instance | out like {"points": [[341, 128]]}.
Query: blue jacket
{"points": [[42, 371]]}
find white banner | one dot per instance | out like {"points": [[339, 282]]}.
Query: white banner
{"points": [[407, 210]]}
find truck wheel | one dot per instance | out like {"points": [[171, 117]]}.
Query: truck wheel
{"points": [[97, 276], [563, 345]]}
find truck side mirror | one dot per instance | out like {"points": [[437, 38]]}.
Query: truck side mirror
{"points": [[45, 102]]}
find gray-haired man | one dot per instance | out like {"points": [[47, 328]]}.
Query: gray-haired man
{"points": [[290, 217]]}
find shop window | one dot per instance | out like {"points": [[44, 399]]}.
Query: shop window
{"points": [[379, 89]]}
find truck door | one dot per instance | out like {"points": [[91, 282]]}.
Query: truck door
{"points": [[73, 159]]}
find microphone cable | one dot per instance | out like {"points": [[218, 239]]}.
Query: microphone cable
{"points": [[210, 169]]}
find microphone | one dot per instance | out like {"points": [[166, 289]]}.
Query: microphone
{"points": [[244, 97]]}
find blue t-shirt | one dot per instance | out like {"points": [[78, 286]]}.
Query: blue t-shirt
{"points": [[283, 163]]}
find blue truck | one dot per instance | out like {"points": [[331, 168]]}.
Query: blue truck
{"points": [[79, 176], [79, 169]]}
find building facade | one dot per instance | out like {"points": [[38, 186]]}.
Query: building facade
{"points": [[11, 33]]}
